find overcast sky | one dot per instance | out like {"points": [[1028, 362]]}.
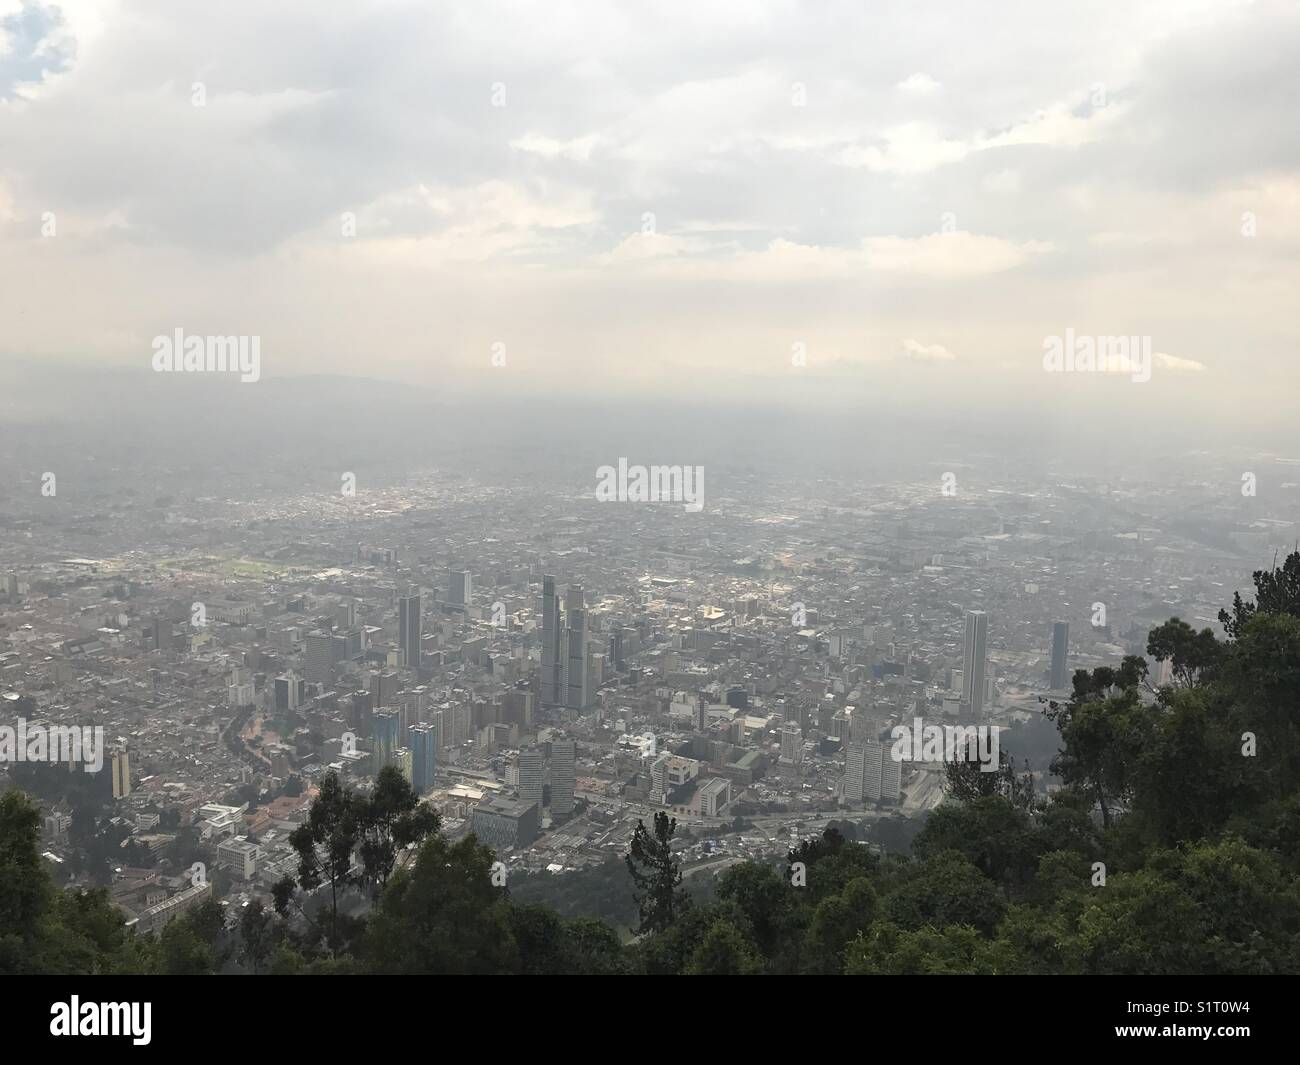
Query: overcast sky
{"points": [[667, 203]]}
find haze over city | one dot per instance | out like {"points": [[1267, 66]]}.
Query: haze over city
{"points": [[703, 489]]}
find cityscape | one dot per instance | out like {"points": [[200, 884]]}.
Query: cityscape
{"points": [[561, 490]]}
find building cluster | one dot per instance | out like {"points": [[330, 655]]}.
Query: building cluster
{"points": [[545, 672]]}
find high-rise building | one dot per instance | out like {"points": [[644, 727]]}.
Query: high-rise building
{"points": [[577, 690], [460, 587], [384, 687], [1060, 652], [873, 769], [289, 691], [552, 665], [891, 777], [404, 764], [854, 764], [864, 769], [318, 657], [386, 725], [791, 745], [408, 629], [659, 780], [532, 772], [563, 777], [974, 662], [121, 773], [423, 741], [862, 725], [240, 691]]}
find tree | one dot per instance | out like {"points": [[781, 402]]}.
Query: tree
{"points": [[965, 779], [1104, 729], [657, 875], [835, 922], [391, 817], [954, 950], [946, 889], [324, 844], [763, 896], [443, 916], [1194, 654], [998, 838], [1277, 591], [724, 951], [255, 935]]}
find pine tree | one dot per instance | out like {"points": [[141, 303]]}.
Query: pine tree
{"points": [[657, 874]]}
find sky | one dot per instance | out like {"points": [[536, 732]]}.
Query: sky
{"points": [[804, 203]]}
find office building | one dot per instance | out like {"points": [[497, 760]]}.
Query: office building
{"points": [[974, 663], [891, 777], [384, 687], [408, 629], [576, 680], [460, 588], [239, 856], [318, 658], [387, 729], [1060, 653], [863, 771], [659, 780], [503, 823], [552, 666], [423, 741], [532, 773], [121, 773], [290, 691], [563, 777], [715, 795], [791, 746]]}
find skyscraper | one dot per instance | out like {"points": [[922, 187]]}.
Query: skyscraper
{"points": [[974, 661], [531, 773], [385, 724], [288, 691], [552, 665], [791, 745], [577, 692], [864, 771], [873, 768], [318, 657], [408, 629], [1060, 651], [563, 777], [852, 788], [121, 773], [460, 587], [891, 777], [423, 740]]}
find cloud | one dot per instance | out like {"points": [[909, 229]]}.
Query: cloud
{"points": [[34, 43], [1178, 365], [774, 221], [578, 148], [927, 353], [919, 83]]}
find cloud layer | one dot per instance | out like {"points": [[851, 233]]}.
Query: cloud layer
{"points": [[628, 202]]}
